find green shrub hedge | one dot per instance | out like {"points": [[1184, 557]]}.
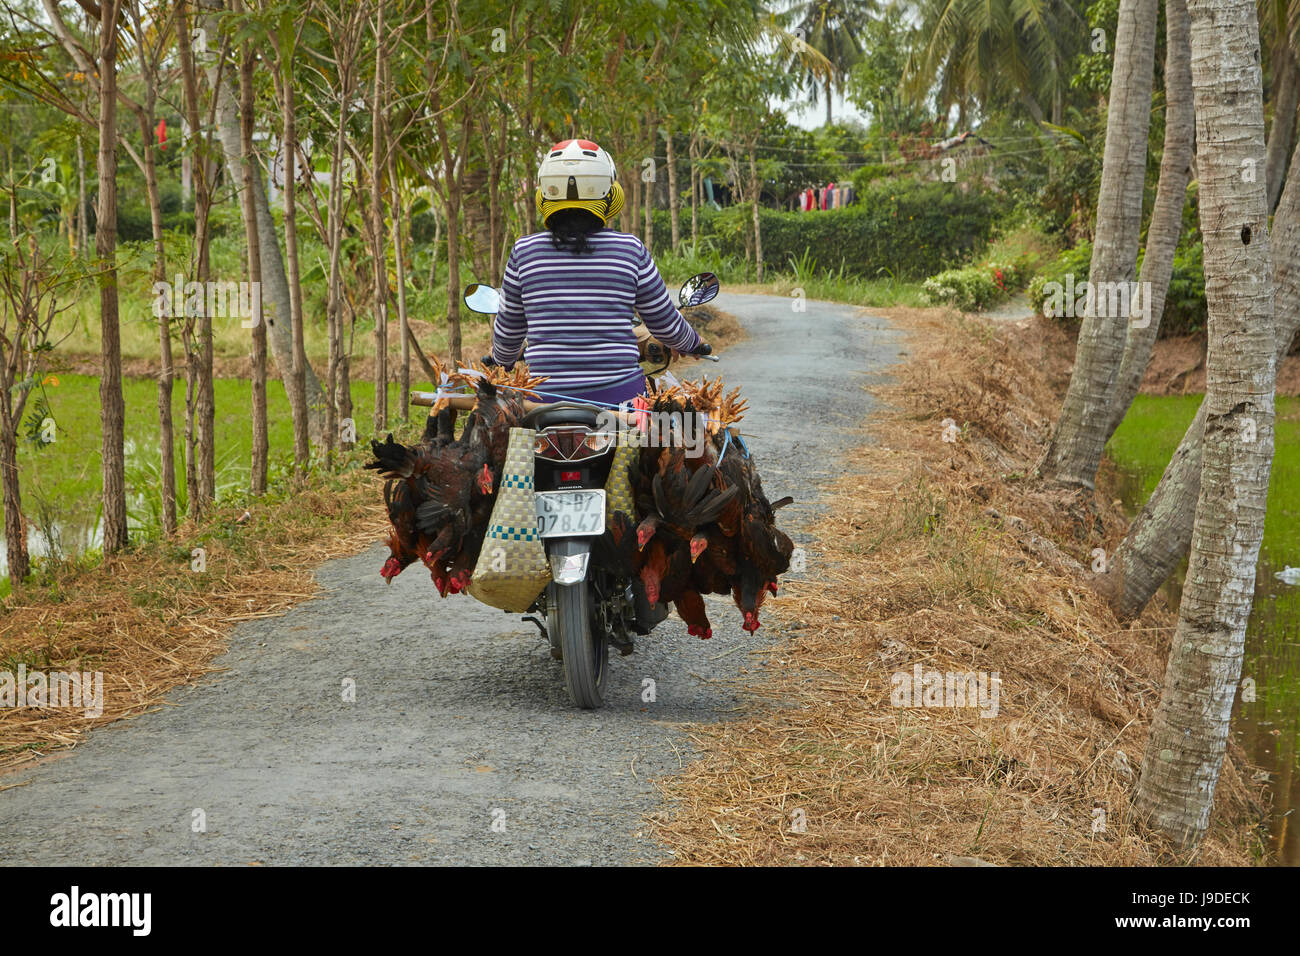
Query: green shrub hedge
{"points": [[1185, 310], [974, 288], [907, 229]]}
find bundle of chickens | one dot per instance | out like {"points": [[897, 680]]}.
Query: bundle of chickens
{"points": [[702, 523]]}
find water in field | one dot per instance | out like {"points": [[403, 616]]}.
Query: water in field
{"points": [[60, 482], [1266, 718]]}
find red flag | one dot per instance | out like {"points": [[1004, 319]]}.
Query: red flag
{"points": [[161, 133]]}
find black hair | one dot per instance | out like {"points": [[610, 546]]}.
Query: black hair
{"points": [[570, 229]]}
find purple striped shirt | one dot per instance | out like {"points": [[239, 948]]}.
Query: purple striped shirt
{"points": [[576, 310]]}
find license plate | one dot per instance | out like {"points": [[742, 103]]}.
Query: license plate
{"points": [[570, 513]]}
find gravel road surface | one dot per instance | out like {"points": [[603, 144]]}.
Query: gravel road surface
{"points": [[461, 746]]}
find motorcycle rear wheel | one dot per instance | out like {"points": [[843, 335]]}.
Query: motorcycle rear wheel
{"points": [[585, 652]]}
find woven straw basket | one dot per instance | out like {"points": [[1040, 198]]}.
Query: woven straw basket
{"points": [[618, 488], [512, 568]]}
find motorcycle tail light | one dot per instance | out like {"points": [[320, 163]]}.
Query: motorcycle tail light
{"points": [[570, 444], [570, 476]]}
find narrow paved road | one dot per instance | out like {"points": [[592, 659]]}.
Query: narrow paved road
{"points": [[460, 720]]}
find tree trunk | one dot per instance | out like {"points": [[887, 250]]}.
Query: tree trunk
{"points": [[378, 253], [694, 156], [404, 399], [190, 94], [298, 391], [1081, 432], [253, 237], [828, 101], [166, 373], [1166, 215], [334, 293], [112, 406], [1159, 537], [753, 195], [453, 177], [1189, 733], [200, 405], [674, 204], [275, 283], [83, 227], [634, 207], [15, 529], [496, 216], [1286, 93], [649, 236]]}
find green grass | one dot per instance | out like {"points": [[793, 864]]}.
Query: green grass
{"points": [[77, 329], [61, 482], [876, 293], [1146, 439], [739, 276], [1142, 447]]}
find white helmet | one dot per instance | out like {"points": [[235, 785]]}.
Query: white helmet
{"points": [[575, 169]]}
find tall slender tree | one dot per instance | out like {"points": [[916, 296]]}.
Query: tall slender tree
{"points": [[1083, 428], [111, 402], [1166, 224], [1180, 769]]}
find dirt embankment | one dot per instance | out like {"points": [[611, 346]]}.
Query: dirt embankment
{"points": [[1178, 368], [947, 557]]}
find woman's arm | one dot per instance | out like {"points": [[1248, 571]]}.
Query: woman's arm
{"points": [[657, 310], [510, 327]]}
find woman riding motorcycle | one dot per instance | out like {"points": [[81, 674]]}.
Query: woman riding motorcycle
{"points": [[571, 289]]}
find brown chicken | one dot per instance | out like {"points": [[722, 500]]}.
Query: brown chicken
{"points": [[441, 491]]}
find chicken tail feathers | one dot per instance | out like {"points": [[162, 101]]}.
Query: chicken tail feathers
{"points": [[392, 459]]}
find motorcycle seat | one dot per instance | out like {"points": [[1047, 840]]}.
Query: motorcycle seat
{"points": [[561, 413]]}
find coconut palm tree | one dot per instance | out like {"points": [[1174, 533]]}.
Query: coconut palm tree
{"points": [[1189, 734], [834, 28], [972, 53]]}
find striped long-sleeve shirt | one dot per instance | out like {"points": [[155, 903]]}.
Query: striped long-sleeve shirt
{"points": [[575, 309]]}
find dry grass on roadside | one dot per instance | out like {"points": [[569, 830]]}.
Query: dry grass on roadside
{"points": [[150, 623], [912, 567]]}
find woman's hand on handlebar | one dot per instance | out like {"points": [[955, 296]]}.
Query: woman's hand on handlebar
{"points": [[704, 349]]}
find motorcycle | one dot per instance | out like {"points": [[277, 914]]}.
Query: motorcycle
{"points": [[586, 608]]}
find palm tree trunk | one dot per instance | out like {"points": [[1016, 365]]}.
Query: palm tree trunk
{"points": [[1286, 97], [1166, 216], [1189, 733], [1160, 535], [1081, 432]]}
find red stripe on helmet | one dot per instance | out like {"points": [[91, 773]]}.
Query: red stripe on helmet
{"points": [[561, 144], [586, 144]]}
